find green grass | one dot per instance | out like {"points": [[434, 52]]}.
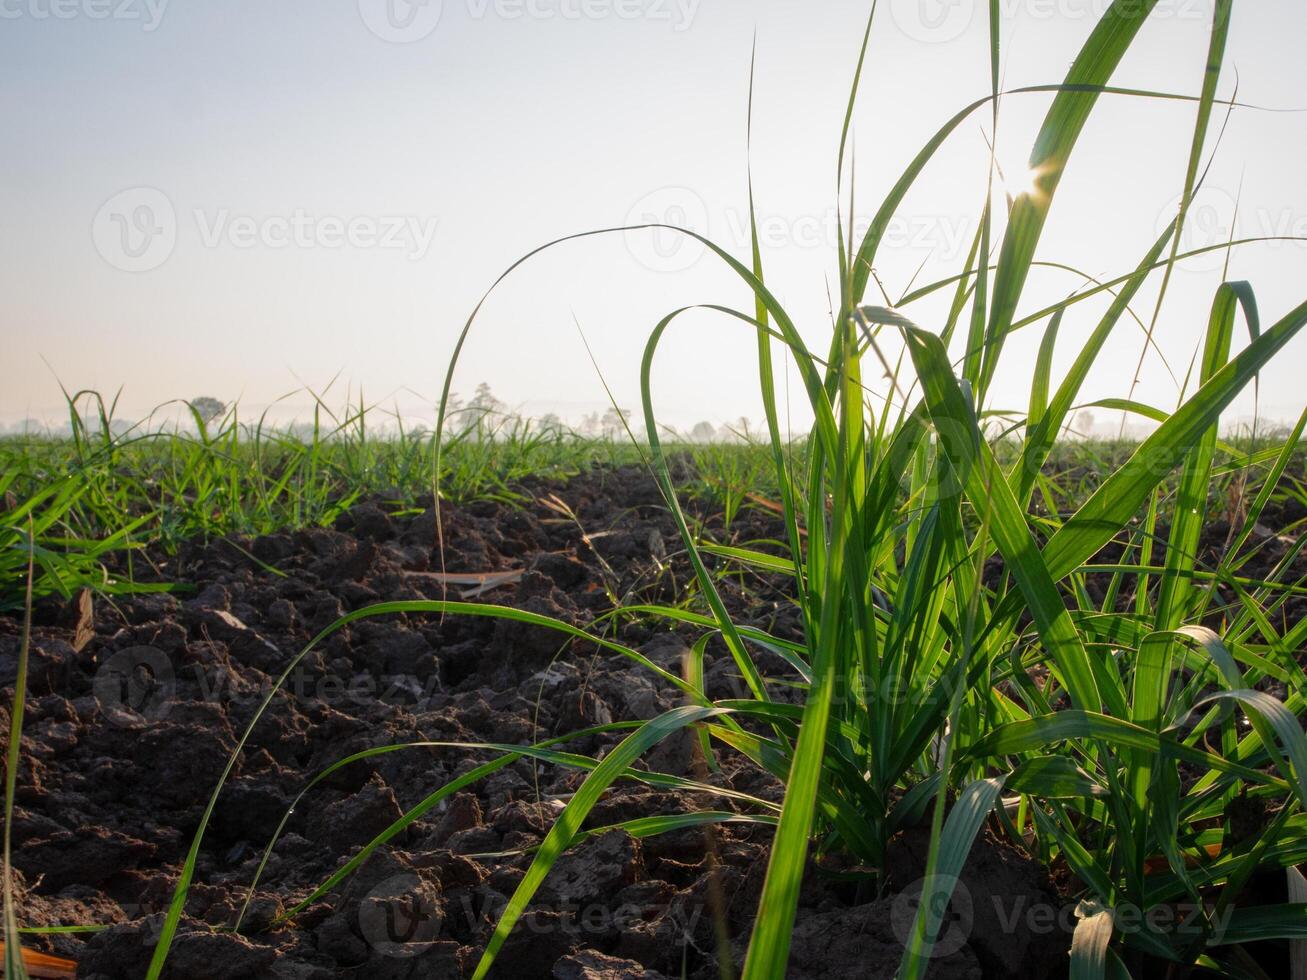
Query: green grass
{"points": [[1000, 627], [107, 490], [902, 509]]}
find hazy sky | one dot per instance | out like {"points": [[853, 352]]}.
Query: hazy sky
{"points": [[238, 198]]}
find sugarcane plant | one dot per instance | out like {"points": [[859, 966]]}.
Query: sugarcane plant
{"points": [[952, 664]]}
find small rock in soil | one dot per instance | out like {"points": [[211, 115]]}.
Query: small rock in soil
{"points": [[591, 965]]}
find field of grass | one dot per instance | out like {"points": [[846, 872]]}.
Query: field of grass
{"points": [[1000, 627], [103, 493], [97, 503], [102, 512]]}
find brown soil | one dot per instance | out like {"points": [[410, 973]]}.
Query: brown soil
{"points": [[129, 727]]}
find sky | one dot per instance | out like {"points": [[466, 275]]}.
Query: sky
{"points": [[248, 199]]}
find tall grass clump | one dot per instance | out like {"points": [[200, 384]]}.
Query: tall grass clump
{"points": [[954, 665]]}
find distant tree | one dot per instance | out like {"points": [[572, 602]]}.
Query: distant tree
{"points": [[484, 400], [702, 432], [590, 425], [734, 432], [1084, 423], [27, 427], [552, 424], [613, 423], [482, 412], [208, 408]]}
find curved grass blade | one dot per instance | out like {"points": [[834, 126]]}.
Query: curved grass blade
{"points": [[1120, 496], [1089, 945], [177, 905], [569, 822], [1033, 734], [1287, 728], [1261, 922], [960, 829]]}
